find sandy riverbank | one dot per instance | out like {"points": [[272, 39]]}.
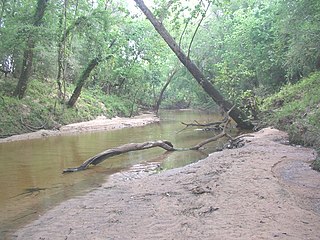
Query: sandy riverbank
{"points": [[99, 124], [264, 190]]}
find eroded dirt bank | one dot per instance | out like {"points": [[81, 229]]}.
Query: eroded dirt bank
{"points": [[99, 124], [241, 193]]}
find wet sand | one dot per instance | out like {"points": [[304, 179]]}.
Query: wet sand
{"points": [[264, 190]]}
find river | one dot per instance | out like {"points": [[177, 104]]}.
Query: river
{"points": [[31, 179]]}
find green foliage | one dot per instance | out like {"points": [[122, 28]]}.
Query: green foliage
{"points": [[249, 49], [41, 108], [316, 164], [117, 106], [303, 52], [296, 109]]}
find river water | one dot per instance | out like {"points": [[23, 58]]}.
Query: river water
{"points": [[31, 179]]}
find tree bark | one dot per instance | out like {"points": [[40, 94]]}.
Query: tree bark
{"points": [[85, 74], [120, 150], [170, 77], [28, 53], [236, 114]]}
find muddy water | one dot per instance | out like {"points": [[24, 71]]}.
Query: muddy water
{"points": [[31, 179]]}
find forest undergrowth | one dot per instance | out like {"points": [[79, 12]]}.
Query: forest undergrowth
{"points": [[41, 108], [296, 110]]}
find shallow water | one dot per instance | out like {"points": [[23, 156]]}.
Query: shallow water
{"points": [[303, 180], [31, 179]]}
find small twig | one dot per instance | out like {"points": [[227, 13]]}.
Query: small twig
{"points": [[182, 130]]}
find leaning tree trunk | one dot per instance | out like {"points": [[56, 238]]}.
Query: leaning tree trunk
{"points": [[235, 114], [25, 70], [170, 77], [85, 74], [28, 53]]}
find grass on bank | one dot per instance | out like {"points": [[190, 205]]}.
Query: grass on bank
{"points": [[296, 110], [41, 107]]}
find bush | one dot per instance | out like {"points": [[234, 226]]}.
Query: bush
{"points": [[41, 109], [296, 110]]}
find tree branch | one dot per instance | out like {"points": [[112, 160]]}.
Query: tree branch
{"points": [[197, 28], [119, 150], [226, 122]]}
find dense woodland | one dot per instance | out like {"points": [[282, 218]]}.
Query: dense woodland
{"points": [[72, 60]]}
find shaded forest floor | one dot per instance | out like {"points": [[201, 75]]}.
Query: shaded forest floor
{"points": [[263, 190]]}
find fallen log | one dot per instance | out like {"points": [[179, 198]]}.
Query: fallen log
{"points": [[196, 124], [120, 150], [146, 145]]}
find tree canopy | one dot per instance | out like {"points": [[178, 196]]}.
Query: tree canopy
{"points": [[244, 48]]}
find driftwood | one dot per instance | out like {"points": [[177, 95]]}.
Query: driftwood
{"points": [[214, 125], [151, 144], [219, 125], [119, 150], [225, 122], [215, 138], [197, 124]]}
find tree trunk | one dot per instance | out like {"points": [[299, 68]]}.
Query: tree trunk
{"points": [[163, 89], [85, 74], [62, 43], [25, 71], [28, 53], [236, 114]]}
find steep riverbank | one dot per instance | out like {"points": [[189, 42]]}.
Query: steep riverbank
{"points": [[99, 124], [263, 190]]}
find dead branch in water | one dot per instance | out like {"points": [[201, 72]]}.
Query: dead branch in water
{"points": [[226, 121], [215, 125], [150, 144], [120, 150], [197, 124], [215, 138], [219, 125]]}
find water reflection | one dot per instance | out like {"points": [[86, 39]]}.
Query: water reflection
{"points": [[30, 173]]}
